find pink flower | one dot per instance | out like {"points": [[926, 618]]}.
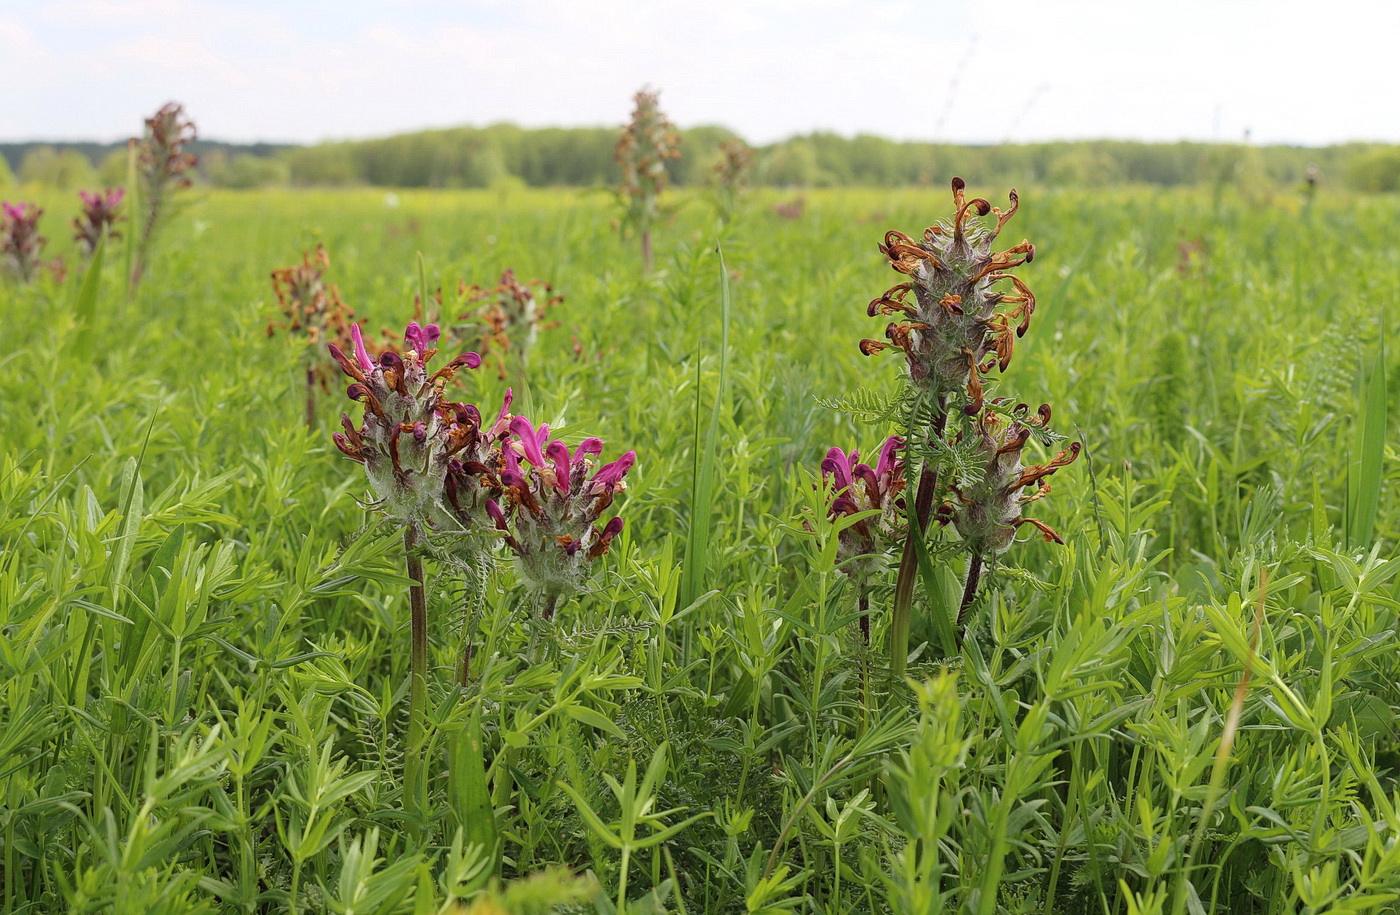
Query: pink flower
{"points": [[857, 487], [20, 242], [552, 503]]}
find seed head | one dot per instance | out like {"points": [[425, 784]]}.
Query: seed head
{"points": [[987, 512], [950, 330]]}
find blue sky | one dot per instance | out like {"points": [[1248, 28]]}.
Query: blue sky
{"points": [[1019, 70]]}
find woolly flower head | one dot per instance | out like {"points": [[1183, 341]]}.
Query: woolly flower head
{"points": [[987, 512], [951, 331], [553, 499], [406, 437]]}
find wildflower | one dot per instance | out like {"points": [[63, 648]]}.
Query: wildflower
{"points": [[510, 315], [645, 145], [163, 166], [405, 440], [987, 511], [20, 241], [100, 215], [857, 487], [476, 463], [314, 310], [731, 175], [552, 504], [952, 332]]}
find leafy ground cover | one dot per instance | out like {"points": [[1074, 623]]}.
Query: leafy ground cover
{"points": [[1187, 707]]}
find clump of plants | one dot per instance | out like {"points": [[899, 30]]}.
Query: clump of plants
{"points": [[460, 487], [510, 316], [957, 316], [313, 312], [647, 142], [164, 166], [98, 219], [21, 245]]}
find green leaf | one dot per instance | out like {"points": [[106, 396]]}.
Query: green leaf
{"points": [[697, 545], [1364, 476]]}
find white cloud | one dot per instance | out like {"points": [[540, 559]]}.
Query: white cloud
{"points": [[1018, 69]]}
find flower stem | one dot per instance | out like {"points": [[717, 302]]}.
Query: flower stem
{"points": [[909, 560], [974, 577], [310, 398], [413, 794]]}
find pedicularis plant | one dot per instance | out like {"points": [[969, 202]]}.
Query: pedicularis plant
{"points": [[958, 316], [98, 218], [314, 312], [163, 168], [510, 316], [459, 487], [21, 245], [647, 142]]}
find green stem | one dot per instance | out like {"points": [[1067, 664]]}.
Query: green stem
{"points": [[909, 560], [418, 686], [974, 577]]}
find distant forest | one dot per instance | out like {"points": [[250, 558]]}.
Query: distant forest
{"points": [[583, 157]]}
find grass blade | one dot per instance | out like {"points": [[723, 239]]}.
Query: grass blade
{"points": [[1365, 468], [697, 546]]}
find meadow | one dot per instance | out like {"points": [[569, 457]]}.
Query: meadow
{"points": [[1189, 706]]}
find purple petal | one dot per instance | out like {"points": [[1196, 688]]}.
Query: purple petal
{"points": [[494, 510], [361, 354], [413, 337], [420, 432], [503, 418], [431, 333], [612, 529], [888, 459], [609, 475], [838, 465], [529, 439], [558, 452], [589, 446]]}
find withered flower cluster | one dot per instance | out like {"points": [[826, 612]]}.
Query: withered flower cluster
{"points": [[510, 315], [988, 510], [952, 332], [731, 175], [313, 310], [164, 165], [958, 314], [21, 245], [100, 214], [435, 466], [647, 142]]}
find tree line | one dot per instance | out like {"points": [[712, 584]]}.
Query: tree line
{"points": [[583, 157]]}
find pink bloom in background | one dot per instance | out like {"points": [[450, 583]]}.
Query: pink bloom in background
{"points": [[20, 242], [100, 214]]}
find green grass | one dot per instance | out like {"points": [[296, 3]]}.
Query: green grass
{"points": [[204, 636]]}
